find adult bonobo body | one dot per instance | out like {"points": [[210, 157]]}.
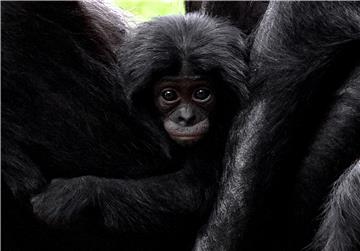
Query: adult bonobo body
{"points": [[60, 119], [298, 136]]}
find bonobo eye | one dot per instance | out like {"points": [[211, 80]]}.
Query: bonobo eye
{"points": [[202, 95], [169, 95]]}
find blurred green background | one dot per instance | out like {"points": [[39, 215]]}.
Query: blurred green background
{"points": [[146, 9]]}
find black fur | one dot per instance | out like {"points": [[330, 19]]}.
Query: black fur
{"points": [[340, 227], [62, 117], [243, 14], [300, 133], [78, 171]]}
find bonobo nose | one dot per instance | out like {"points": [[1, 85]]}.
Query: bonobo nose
{"points": [[186, 117]]}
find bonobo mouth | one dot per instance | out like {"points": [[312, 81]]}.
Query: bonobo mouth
{"points": [[186, 134], [186, 140]]}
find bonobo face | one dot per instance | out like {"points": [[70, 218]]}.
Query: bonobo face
{"points": [[185, 105]]}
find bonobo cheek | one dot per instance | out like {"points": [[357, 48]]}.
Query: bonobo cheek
{"points": [[186, 135]]}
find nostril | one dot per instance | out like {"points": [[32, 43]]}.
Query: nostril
{"points": [[186, 120], [180, 119], [191, 120]]}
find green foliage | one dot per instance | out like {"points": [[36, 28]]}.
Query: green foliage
{"points": [[146, 9]]}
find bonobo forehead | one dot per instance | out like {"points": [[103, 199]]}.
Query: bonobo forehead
{"points": [[182, 81]]}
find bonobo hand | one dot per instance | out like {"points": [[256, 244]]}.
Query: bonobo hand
{"points": [[65, 201]]}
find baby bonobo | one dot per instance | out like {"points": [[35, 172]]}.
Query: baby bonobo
{"points": [[185, 105], [185, 80]]}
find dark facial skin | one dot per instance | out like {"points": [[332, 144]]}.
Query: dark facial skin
{"points": [[185, 105]]}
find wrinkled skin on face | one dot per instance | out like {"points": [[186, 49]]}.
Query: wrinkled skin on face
{"points": [[185, 105]]}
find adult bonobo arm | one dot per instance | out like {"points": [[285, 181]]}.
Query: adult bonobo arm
{"points": [[334, 147], [340, 228], [298, 68], [131, 206], [231, 210]]}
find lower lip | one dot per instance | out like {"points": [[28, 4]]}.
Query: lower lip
{"points": [[186, 137]]}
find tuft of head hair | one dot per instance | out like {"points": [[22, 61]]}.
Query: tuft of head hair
{"points": [[204, 45]]}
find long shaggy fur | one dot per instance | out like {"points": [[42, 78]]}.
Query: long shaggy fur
{"points": [[63, 116], [340, 226], [304, 68]]}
